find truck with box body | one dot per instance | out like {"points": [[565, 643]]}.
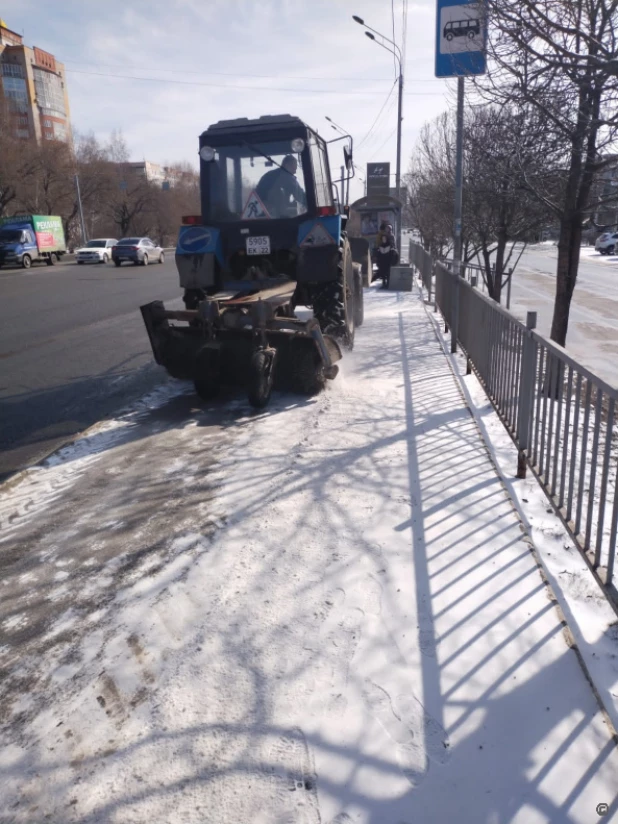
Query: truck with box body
{"points": [[28, 239]]}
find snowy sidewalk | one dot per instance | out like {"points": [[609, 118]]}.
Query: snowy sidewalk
{"points": [[326, 613]]}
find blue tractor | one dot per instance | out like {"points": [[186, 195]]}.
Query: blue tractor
{"points": [[271, 237]]}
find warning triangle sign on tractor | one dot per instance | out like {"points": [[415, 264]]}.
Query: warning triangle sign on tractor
{"points": [[318, 236], [254, 208]]}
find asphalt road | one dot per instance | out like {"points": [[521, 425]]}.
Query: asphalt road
{"points": [[73, 349], [593, 326]]}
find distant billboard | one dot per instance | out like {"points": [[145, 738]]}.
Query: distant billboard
{"points": [[378, 179]]}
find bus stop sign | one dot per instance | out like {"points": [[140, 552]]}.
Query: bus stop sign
{"points": [[461, 38]]}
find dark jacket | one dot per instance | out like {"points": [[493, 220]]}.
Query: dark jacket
{"points": [[277, 189]]}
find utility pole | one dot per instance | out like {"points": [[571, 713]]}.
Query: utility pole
{"points": [[81, 211], [398, 171], [396, 52], [457, 250]]}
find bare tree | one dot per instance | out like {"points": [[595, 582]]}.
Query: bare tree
{"points": [[499, 156], [17, 162], [559, 59], [500, 159], [116, 199], [430, 183]]}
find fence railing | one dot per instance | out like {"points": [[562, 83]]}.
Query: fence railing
{"points": [[560, 415]]}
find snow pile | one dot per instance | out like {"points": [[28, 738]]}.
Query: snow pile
{"points": [[327, 613]]}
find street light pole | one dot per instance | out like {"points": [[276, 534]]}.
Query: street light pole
{"points": [[396, 52], [81, 211], [398, 170]]}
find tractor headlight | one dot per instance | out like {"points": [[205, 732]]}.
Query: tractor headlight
{"points": [[298, 144], [207, 153]]}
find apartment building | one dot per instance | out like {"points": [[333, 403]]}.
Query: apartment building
{"points": [[33, 90]]}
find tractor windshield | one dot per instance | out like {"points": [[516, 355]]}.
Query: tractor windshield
{"points": [[252, 181]]}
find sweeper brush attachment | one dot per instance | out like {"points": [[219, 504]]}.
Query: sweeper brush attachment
{"points": [[250, 338]]}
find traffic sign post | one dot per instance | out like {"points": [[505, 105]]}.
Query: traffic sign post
{"points": [[461, 48], [461, 38]]}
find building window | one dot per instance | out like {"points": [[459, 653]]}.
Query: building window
{"points": [[50, 96], [17, 93], [48, 124], [12, 70], [22, 133]]}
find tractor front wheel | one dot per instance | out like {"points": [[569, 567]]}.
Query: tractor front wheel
{"points": [[261, 377]]}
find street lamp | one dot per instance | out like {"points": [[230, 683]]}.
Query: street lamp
{"points": [[396, 52], [335, 126]]}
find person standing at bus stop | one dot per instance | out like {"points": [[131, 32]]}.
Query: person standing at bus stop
{"points": [[386, 253]]}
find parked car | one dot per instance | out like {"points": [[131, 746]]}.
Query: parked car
{"points": [[137, 250], [607, 243], [98, 250]]}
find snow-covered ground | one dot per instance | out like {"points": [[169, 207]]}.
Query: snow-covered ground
{"points": [[327, 612]]}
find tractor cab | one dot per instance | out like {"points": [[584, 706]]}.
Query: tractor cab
{"points": [[270, 238], [274, 168], [266, 193]]}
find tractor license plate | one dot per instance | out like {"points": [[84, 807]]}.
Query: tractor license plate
{"points": [[258, 245]]}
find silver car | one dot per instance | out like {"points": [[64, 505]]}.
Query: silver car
{"points": [[98, 250], [137, 250]]}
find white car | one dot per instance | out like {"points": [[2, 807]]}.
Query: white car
{"points": [[96, 251], [607, 243]]}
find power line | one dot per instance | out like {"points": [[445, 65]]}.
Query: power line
{"points": [[391, 135], [364, 139], [232, 74], [394, 39], [244, 87], [404, 32], [376, 135]]}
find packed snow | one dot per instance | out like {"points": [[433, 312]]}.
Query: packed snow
{"points": [[328, 612]]}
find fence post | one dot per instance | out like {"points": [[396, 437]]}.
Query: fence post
{"points": [[526, 395], [455, 312], [433, 274], [473, 282]]}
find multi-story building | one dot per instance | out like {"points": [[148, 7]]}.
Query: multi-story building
{"points": [[33, 90], [164, 176]]}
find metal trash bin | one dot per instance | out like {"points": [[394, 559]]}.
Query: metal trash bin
{"points": [[400, 279]]}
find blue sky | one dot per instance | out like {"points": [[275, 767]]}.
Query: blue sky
{"points": [[205, 60]]}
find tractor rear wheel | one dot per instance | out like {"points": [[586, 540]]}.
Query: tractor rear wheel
{"points": [[333, 300]]}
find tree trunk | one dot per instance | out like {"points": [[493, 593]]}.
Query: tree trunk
{"points": [[500, 250], [566, 274], [489, 275]]}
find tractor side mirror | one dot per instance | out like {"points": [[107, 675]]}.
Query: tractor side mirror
{"points": [[347, 157]]}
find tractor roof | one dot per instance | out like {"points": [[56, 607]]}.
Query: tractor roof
{"points": [[269, 123]]}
